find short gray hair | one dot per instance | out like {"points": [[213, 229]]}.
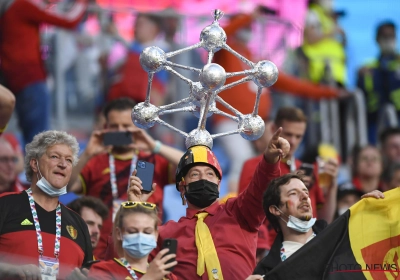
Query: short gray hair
{"points": [[44, 140]]}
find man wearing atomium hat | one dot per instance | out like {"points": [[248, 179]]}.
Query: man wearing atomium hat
{"points": [[215, 241]]}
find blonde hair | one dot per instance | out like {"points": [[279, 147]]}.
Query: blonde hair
{"points": [[122, 213]]}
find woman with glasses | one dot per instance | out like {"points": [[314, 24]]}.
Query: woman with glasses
{"points": [[135, 236]]}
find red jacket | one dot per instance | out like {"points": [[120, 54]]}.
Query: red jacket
{"points": [[21, 62]]}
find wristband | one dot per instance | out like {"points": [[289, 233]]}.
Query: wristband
{"points": [[157, 147]]}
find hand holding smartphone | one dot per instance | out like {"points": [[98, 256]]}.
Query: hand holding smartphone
{"points": [[172, 245], [117, 138], [145, 172]]}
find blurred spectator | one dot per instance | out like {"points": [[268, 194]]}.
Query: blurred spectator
{"points": [[98, 164], [18, 152], [7, 103], [390, 145], [347, 196], [367, 169], [391, 177], [323, 42], [93, 211], [8, 168], [380, 78], [243, 96], [294, 122], [132, 79], [20, 21]]}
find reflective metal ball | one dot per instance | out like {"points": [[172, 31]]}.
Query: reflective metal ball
{"points": [[144, 116], [152, 59], [213, 76], [199, 137], [266, 73], [213, 37], [251, 127], [197, 110]]}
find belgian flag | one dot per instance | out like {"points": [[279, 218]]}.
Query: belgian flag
{"points": [[363, 243]]}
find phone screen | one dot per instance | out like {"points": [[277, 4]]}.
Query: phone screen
{"points": [[145, 172]]}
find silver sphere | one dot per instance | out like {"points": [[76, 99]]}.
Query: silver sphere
{"points": [[197, 110], [197, 93], [213, 76], [152, 59], [251, 127], [144, 116], [266, 73], [199, 137], [213, 37]]}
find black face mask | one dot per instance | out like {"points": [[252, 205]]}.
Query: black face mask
{"points": [[202, 193]]}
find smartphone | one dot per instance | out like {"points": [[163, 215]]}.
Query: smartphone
{"points": [[145, 172], [89, 264], [117, 138], [307, 169], [172, 245]]}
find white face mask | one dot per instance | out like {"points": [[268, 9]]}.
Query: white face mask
{"points": [[297, 224], [387, 46], [47, 188], [244, 35]]}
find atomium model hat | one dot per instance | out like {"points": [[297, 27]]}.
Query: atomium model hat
{"points": [[195, 155]]}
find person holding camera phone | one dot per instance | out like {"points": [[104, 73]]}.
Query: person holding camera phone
{"points": [[103, 171], [135, 235], [216, 240]]}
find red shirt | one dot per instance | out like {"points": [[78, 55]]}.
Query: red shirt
{"points": [[95, 178], [21, 61], [233, 226], [316, 194], [114, 269]]}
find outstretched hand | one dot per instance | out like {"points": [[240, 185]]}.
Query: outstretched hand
{"points": [[278, 147]]}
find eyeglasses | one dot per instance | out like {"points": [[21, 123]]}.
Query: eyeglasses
{"points": [[131, 204], [13, 160]]}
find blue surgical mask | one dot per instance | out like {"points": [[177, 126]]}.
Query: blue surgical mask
{"points": [[47, 188], [139, 245], [297, 224]]}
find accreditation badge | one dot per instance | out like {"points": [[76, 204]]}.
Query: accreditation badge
{"points": [[116, 206], [49, 268]]}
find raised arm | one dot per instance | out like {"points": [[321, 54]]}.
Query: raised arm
{"points": [[248, 206], [7, 104], [35, 12]]}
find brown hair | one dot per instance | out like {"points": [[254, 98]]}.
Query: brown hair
{"points": [[123, 212], [290, 114]]}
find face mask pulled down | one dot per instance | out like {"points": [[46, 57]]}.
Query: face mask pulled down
{"points": [[139, 245], [202, 193], [47, 188], [297, 224]]}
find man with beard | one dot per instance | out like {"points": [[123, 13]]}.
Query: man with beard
{"points": [[216, 240], [288, 208], [104, 171], [93, 212]]}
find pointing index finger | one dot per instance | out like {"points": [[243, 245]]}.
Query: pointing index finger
{"points": [[277, 134]]}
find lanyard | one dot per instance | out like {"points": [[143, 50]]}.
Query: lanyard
{"points": [[129, 268], [113, 177], [37, 226]]}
